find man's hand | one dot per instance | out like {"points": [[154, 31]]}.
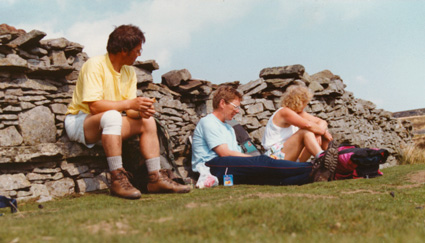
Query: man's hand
{"points": [[144, 106]]}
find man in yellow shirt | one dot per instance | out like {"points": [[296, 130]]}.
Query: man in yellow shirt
{"points": [[106, 87]]}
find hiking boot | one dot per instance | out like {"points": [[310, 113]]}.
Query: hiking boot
{"points": [[121, 186], [324, 167], [331, 157], [159, 182]]}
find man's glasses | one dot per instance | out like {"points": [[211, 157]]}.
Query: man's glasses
{"points": [[236, 107]]}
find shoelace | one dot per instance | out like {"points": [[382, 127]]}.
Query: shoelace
{"points": [[165, 177], [122, 178]]}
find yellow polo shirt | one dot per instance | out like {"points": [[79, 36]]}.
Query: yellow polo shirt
{"points": [[99, 81]]}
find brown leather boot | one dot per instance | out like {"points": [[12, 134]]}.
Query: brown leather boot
{"points": [[121, 186], [159, 182]]}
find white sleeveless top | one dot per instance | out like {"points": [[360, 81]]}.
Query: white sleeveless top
{"points": [[275, 134]]}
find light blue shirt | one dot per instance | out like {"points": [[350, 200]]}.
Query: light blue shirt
{"points": [[209, 133]]}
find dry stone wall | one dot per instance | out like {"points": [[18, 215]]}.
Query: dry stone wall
{"points": [[37, 78]]}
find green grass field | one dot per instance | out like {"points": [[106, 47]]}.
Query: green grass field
{"points": [[360, 210]]}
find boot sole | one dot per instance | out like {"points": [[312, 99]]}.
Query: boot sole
{"points": [[169, 191], [127, 197], [330, 159]]}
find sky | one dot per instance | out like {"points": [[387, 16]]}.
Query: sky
{"points": [[377, 47]]}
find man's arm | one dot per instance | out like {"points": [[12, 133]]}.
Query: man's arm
{"points": [[223, 150], [135, 108]]}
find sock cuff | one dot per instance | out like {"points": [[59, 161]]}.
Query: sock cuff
{"points": [[153, 164], [318, 154], [114, 162]]}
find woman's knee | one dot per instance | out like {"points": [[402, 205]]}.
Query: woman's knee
{"points": [[308, 134]]}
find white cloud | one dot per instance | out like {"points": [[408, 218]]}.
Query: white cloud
{"points": [[93, 36], [62, 4], [8, 1], [317, 12], [378, 102], [47, 27], [355, 84], [168, 25], [360, 80]]}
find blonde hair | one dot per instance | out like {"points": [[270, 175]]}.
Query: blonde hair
{"points": [[296, 97]]}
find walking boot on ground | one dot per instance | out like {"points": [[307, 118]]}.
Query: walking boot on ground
{"points": [[324, 167], [121, 186], [159, 182]]}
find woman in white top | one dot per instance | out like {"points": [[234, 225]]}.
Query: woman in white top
{"points": [[293, 134]]}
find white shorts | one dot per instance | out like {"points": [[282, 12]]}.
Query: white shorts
{"points": [[74, 126]]}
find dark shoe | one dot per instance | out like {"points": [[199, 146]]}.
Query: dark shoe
{"points": [[324, 167], [159, 182], [121, 186]]}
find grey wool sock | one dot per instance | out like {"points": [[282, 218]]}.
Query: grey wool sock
{"points": [[153, 164], [114, 162], [318, 154]]}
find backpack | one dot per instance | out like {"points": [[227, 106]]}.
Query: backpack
{"points": [[244, 141], [355, 162], [9, 202], [166, 149], [131, 157]]}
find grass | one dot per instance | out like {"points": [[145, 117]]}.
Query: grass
{"points": [[340, 211], [412, 154]]}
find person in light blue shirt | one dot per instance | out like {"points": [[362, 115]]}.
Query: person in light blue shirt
{"points": [[210, 133], [214, 144]]}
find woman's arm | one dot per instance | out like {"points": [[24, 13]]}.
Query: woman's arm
{"points": [[302, 120], [320, 122]]}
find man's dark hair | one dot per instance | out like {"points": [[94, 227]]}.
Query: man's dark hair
{"points": [[124, 38], [227, 93]]}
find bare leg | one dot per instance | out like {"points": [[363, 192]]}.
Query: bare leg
{"points": [[297, 142], [112, 145], [149, 148], [159, 182], [149, 144], [304, 156]]}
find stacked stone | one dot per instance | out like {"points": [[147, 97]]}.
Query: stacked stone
{"points": [[37, 78], [182, 101]]}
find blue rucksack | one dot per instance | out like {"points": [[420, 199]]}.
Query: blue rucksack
{"points": [[243, 138]]}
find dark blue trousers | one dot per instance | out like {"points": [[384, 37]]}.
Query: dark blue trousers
{"points": [[260, 170]]}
